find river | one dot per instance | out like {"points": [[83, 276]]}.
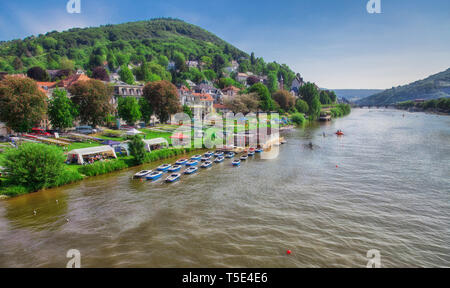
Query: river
{"points": [[385, 185]]}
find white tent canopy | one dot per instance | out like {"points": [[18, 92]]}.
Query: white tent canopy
{"points": [[133, 132], [79, 153], [157, 141]]}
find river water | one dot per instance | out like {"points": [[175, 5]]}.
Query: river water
{"points": [[385, 185]]}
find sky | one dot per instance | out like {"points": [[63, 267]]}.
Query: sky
{"points": [[334, 43]]}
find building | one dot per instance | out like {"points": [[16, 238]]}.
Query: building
{"points": [[242, 77], [234, 67], [47, 87], [192, 64], [297, 83], [231, 91], [200, 103], [72, 79], [221, 108], [122, 89], [171, 66], [206, 87]]}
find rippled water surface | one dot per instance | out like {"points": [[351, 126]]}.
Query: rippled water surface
{"points": [[385, 185]]}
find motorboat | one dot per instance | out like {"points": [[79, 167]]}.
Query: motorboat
{"points": [[175, 168], [207, 164], [236, 163], [164, 167], [251, 153], [244, 157], [196, 157], [173, 178], [142, 174], [209, 154], [154, 175], [191, 163], [229, 155], [259, 150], [182, 162], [219, 159], [218, 154], [206, 158], [191, 170]]}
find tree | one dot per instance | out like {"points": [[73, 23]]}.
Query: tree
{"points": [[302, 106], [137, 149], [298, 118], [22, 104], [92, 99], [284, 99], [126, 75], [324, 98], [308, 92], [314, 108], [187, 110], [218, 64], [266, 102], [163, 97], [180, 61], [38, 74], [210, 74], [100, 73], [17, 64], [163, 61], [146, 110], [129, 110], [206, 61], [66, 64], [61, 111], [36, 166], [272, 82], [252, 80], [244, 103]]}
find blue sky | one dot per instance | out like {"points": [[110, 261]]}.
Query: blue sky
{"points": [[334, 43]]}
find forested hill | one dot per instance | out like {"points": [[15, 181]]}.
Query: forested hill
{"points": [[433, 87], [117, 44]]}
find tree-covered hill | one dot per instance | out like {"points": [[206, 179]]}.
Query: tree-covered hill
{"points": [[433, 87], [118, 44]]}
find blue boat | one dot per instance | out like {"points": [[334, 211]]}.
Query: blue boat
{"points": [[244, 157], [229, 155], [219, 159], [259, 150], [207, 164], [236, 162], [164, 167], [209, 154], [142, 174], [204, 159], [192, 163], [181, 161], [251, 154], [173, 178], [154, 175], [191, 170], [218, 154], [196, 157], [175, 168]]}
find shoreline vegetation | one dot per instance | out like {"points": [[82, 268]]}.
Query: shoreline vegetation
{"points": [[436, 106]]}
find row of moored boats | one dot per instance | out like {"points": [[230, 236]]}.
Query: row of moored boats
{"points": [[191, 165]]}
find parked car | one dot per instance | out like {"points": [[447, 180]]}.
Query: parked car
{"points": [[40, 132]]}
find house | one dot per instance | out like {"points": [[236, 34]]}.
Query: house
{"points": [[297, 83], [200, 103], [122, 89], [72, 79], [221, 108], [206, 87], [192, 64], [47, 87], [234, 67], [231, 91], [242, 77], [171, 66]]}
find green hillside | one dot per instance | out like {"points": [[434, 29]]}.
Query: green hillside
{"points": [[133, 42], [433, 87]]}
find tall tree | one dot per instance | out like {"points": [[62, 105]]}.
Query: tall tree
{"points": [[129, 110], [272, 82], [266, 102], [22, 104], [100, 73], [163, 97], [38, 74], [146, 110], [61, 111], [126, 75], [92, 99], [137, 149], [284, 99]]}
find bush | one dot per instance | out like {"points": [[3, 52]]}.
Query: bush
{"points": [[103, 167], [137, 149], [67, 177], [36, 166], [298, 118], [14, 191]]}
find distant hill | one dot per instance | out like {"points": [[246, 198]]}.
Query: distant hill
{"points": [[355, 94], [434, 87], [133, 41]]}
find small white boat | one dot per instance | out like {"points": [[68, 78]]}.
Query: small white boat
{"points": [[219, 159], [196, 157], [236, 163], [206, 158], [207, 164], [142, 174], [192, 163], [191, 170], [173, 177], [244, 157], [164, 167], [181, 161], [229, 155], [175, 168], [154, 175]]}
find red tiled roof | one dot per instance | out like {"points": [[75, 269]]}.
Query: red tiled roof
{"points": [[69, 81], [203, 97], [220, 106], [232, 88]]}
